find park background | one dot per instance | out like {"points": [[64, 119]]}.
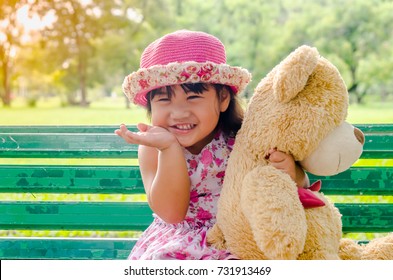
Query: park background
{"points": [[62, 62]]}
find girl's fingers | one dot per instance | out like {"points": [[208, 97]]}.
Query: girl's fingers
{"points": [[122, 129], [143, 127], [138, 138], [127, 135], [269, 153], [277, 156], [272, 150], [147, 135]]}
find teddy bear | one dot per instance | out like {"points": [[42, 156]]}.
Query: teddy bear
{"points": [[299, 108]]}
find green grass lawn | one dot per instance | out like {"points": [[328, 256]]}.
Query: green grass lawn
{"points": [[371, 113], [105, 112], [114, 112]]}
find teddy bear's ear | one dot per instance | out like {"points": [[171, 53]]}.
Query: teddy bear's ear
{"points": [[293, 72]]}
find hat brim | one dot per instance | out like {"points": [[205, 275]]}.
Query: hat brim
{"points": [[139, 83]]}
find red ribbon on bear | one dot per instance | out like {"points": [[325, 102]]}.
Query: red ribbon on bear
{"points": [[308, 198]]}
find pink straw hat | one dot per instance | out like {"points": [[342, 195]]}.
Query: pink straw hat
{"points": [[183, 57]]}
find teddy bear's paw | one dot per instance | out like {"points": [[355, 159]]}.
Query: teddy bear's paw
{"points": [[379, 249], [350, 250], [216, 238], [281, 248], [271, 205]]}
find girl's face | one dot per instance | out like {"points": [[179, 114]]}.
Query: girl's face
{"points": [[192, 117]]}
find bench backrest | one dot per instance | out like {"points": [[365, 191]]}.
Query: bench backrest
{"points": [[21, 176]]}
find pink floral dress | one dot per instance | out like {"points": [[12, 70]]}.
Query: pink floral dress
{"points": [[187, 239]]}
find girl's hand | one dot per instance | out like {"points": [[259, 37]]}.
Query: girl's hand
{"points": [[152, 136], [287, 164], [283, 162]]}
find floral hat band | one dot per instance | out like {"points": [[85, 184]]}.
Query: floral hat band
{"points": [[138, 84], [183, 57]]}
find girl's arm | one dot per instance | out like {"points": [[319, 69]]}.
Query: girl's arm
{"points": [[165, 178], [163, 169]]}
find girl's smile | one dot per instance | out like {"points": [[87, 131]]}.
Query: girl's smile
{"points": [[183, 127]]}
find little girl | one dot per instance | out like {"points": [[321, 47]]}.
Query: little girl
{"points": [[190, 94]]}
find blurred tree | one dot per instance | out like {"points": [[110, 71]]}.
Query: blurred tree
{"points": [[132, 25], [375, 72], [69, 37], [94, 43], [350, 32], [244, 27], [10, 38], [34, 71]]}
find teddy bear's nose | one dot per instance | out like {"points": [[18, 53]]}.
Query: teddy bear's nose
{"points": [[359, 135]]}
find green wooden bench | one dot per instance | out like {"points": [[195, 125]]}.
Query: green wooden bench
{"points": [[21, 175]]}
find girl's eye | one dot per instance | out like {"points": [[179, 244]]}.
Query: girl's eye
{"points": [[193, 97], [161, 98]]}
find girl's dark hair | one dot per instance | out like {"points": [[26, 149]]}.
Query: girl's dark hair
{"points": [[229, 121]]}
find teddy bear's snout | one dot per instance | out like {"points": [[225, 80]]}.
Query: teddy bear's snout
{"points": [[359, 135]]}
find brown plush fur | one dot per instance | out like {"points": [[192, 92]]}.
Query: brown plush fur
{"points": [[259, 214], [378, 249]]}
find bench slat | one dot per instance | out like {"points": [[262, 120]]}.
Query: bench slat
{"points": [[127, 180], [63, 145], [358, 181], [75, 215], [366, 128], [366, 217], [65, 248], [63, 128], [378, 146], [376, 128], [101, 142], [70, 179], [138, 216]]}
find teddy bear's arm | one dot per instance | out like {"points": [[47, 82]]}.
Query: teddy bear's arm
{"points": [[270, 203], [215, 238]]}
